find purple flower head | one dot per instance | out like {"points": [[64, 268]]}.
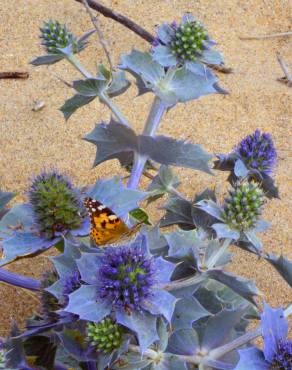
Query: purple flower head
{"points": [[258, 152], [277, 347], [71, 282], [127, 283], [282, 359], [127, 277], [277, 352]]}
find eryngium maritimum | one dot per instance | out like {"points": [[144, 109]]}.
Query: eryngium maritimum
{"points": [[55, 203], [187, 43], [127, 277], [106, 335], [56, 36], [244, 206], [283, 357], [189, 40], [258, 152]]}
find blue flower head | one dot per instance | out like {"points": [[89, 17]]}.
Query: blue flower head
{"points": [[277, 352], [277, 347], [257, 151], [127, 277], [125, 282], [187, 42]]}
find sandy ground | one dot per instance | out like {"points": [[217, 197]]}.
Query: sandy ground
{"points": [[33, 141]]}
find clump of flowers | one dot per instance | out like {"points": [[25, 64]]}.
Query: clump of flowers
{"points": [[244, 206], [56, 36], [159, 299], [258, 152], [55, 203], [189, 40], [127, 277], [184, 43], [106, 335]]}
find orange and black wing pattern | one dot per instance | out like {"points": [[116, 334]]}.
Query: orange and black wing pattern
{"points": [[106, 226]]}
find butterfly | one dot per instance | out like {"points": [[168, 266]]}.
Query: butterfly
{"points": [[106, 226]]}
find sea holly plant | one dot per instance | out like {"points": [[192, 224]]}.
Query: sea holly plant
{"points": [[155, 298]]}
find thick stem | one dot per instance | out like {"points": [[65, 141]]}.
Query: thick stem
{"points": [[156, 112], [183, 283], [19, 280], [103, 97], [75, 62], [137, 171], [154, 118]]}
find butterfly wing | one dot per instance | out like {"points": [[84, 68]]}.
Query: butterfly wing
{"points": [[106, 226]]}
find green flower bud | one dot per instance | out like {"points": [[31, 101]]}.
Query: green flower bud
{"points": [[189, 41], [242, 208], [2, 359], [105, 335], [56, 204], [56, 36]]}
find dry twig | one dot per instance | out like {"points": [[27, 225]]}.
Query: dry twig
{"points": [[272, 36], [288, 78], [14, 75], [106, 12], [102, 40]]}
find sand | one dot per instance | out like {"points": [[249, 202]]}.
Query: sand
{"points": [[33, 141]]}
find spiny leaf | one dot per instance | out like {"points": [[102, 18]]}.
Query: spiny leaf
{"points": [[283, 266], [114, 139], [72, 104]]}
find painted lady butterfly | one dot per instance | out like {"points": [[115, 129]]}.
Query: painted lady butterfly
{"points": [[106, 226]]}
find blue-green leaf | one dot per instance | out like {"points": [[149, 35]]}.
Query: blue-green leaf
{"points": [[47, 59], [90, 87], [72, 104], [225, 231], [162, 182], [242, 286], [143, 324], [283, 266]]}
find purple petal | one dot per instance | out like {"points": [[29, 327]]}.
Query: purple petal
{"points": [[274, 328]]}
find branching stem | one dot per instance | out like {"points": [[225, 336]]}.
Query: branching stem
{"points": [[103, 97], [151, 125]]}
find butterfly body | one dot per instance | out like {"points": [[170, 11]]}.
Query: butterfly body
{"points": [[106, 226]]}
